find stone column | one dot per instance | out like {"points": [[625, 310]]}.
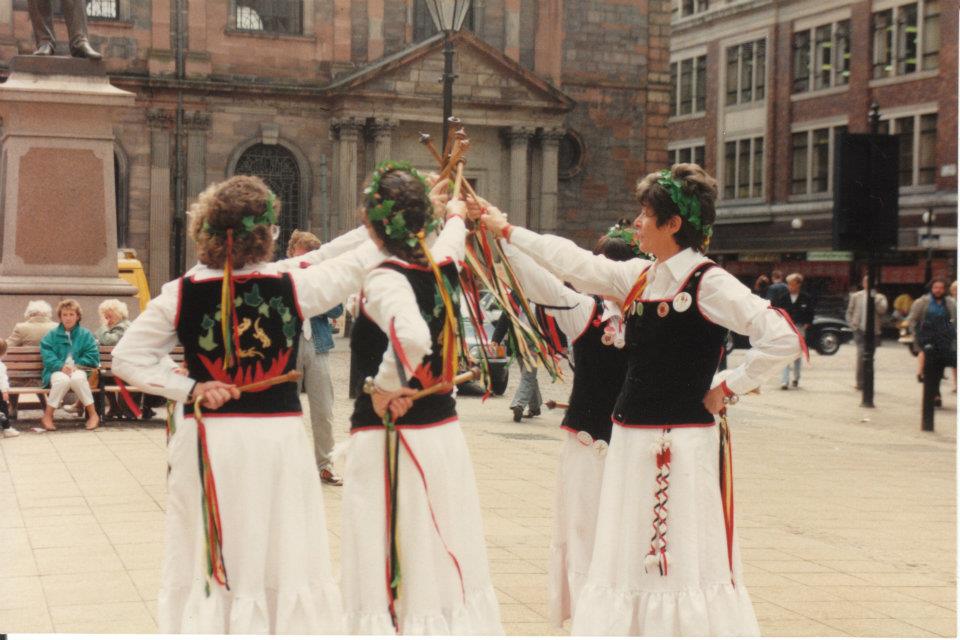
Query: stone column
{"points": [[197, 124], [158, 270], [382, 132], [549, 150], [346, 135], [518, 140]]}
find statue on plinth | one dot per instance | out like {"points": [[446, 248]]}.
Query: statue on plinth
{"points": [[75, 15]]}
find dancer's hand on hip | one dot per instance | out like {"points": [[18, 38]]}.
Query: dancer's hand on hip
{"points": [[713, 401]]}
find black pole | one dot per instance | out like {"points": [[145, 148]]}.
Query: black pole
{"points": [[179, 148], [928, 270], [448, 78], [869, 338]]}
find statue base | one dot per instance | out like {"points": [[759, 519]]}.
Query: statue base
{"points": [[57, 179]]}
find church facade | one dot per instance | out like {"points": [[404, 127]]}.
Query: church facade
{"points": [[565, 104]]}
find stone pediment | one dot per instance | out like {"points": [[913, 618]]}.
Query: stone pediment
{"points": [[485, 78]]}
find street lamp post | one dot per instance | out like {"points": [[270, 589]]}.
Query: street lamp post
{"points": [[928, 218], [869, 335], [447, 16]]}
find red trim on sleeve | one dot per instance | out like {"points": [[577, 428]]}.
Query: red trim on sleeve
{"points": [[505, 232], [803, 342], [726, 390], [398, 348]]}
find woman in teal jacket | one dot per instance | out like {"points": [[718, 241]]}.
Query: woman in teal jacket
{"points": [[67, 350]]}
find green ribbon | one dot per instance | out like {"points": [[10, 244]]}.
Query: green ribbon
{"points": [[688, 205]]}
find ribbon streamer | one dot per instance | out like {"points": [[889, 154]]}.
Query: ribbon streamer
{"points": [[726, 486]]}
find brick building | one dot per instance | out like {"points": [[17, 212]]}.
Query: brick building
{"points": [[564, 102], [760, 90]]}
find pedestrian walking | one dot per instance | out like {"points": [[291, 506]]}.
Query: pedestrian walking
{"points": [[528, 391], [798, 305], [245, 548], [933, 322], [857, 319], [316, 341], [686, 579]]}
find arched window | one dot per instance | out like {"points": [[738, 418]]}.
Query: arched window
{"points": [[269, 16], [279, 169]]}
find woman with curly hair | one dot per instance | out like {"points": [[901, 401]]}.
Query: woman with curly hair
{"points": [[246, 546], [665, 559], [413, 554]]}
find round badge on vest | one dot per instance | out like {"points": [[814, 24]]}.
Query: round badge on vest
{"points": [[601, 447], [584, 438], [682, 302], [663, 309]]}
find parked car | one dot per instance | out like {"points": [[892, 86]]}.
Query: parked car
{"points": [[824, 335], [496, 356]]}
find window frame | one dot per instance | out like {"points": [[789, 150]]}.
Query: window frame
{"points": [[887, 121], [809, 130], [753, 171], [838, 55], [676, 86], [896, 40], [674, 149], [306, 7], [758, 81]]}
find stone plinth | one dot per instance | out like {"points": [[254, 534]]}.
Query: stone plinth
{"points": [[59, 235]]}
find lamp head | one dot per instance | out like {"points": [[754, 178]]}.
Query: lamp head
{"points": [[448, 15]]}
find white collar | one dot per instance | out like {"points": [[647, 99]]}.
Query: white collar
{"points": [[681, 264]]}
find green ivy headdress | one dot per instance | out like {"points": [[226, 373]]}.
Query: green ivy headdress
{"points": [[688, 205], [382, 211], [248, 222], [623, 231]]}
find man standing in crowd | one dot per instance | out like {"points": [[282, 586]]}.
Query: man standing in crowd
{"points": [[857, 319], [777, 287], [315, 341], [933, 322], [799, 306]]}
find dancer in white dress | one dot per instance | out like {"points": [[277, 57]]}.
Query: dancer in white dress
{"points": [[246, 546], [594, 330], [413, 555], [665, 559]]}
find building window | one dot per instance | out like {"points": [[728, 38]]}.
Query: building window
{"points": [[691, 7], [423, 26], [746, 72], [906, 39], [812, 160], [821, 57], [280, 170], [97, 9], [688, 86], [694, 153], [284, 17], [918, 147], [743, 169]]}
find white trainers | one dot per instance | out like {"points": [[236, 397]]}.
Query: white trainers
{"points": [[10, 432]]}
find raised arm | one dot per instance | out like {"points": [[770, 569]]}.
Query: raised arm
{"points": [[325, 285], [725, 301], [584, 270], [141, 358], [390, 302], [327, 251], [450, 242], [572, 310]]}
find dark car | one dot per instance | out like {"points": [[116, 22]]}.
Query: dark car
{"points": [[496, 356], [824, 335]]}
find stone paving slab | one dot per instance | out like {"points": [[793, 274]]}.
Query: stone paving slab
{"points": [[846, 516]]}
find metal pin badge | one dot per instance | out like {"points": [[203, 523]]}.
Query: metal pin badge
{"points": [[663, 309], [682, 302]]}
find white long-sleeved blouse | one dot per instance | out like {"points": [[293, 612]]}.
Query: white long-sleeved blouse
{"points": [[387, 298], [338, 268], [722, 298]]}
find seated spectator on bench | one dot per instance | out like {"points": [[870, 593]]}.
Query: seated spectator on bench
{"points": [[113, 322], [66, 351], [8, 429], [36, 324]]}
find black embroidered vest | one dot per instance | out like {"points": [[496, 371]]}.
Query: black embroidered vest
{"points": [[368, 344], [599, 377], [673, 353], [269, 326]]}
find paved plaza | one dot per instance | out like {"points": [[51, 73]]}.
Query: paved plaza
{"points": [[846, 516]]}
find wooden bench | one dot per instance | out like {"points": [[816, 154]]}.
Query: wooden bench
{"points": [[108, 382], [25, 369]]}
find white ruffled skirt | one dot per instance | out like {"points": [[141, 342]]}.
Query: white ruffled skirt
{"points": [[698, 596], [275, 544], [575, 518], [434, 522]]}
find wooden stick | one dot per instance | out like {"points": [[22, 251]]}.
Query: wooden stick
{"points": [[458, 182], [291, 376], [553, 404], [428, 143], [442, 387]]}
